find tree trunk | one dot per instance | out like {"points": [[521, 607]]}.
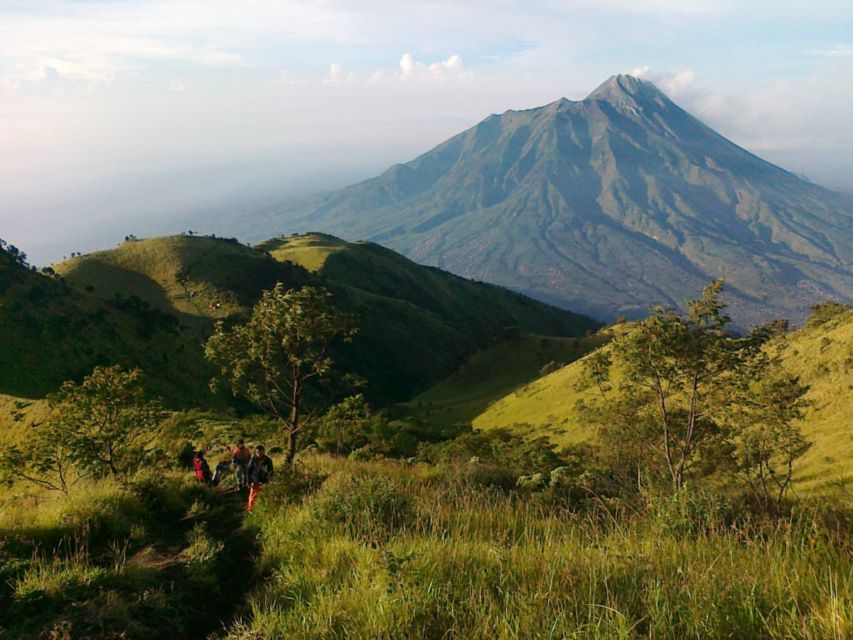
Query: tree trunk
{"points": [[291, 447]]}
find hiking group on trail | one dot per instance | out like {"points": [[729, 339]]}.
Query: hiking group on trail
{"points": [[252, 470]]}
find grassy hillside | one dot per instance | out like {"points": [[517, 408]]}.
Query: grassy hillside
{"points": [[821, 355], [823, 358], [51, 332], [495, 372], [466, 305], [196, 278], [416, 323]]}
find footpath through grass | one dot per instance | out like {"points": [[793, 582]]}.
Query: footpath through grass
{"points": [[162, 558]]}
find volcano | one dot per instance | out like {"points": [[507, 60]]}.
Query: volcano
{"points": [[607, 206]]}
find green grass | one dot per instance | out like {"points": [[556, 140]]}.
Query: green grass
{"points": [[309, 251], [822, 356], [51, 332], [428, 556], [162, 558], [183, 275], [416, 323], [493, 373]]}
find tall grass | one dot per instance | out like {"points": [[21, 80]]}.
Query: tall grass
{"points": [[112, 561], [427, 555]]}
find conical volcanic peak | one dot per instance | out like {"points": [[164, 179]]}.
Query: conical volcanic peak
{"points": [[625, 90], [607, 205]]}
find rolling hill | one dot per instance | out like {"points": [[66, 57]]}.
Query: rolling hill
{"points": [[51, 332], [417, 323], [606, 205], [820, 354]]}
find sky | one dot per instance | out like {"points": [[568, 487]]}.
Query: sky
{"points": [[148, 117]]}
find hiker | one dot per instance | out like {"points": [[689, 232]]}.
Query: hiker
{"points": [[260, 472], [202, 469], [240, 458], [222, 467]]}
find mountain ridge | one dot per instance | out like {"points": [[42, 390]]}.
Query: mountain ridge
{"points": [[606, 205]]}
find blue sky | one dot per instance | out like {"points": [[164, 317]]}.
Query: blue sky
{"points": [[121, 116]]}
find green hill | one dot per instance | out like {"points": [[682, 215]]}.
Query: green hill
{"points": [[416, 323], [821, 355], [495, 372], [606, 205], [196, 278], [51, 332]]}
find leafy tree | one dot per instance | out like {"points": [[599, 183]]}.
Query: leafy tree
{"points": [[101, 426], [282, 349], [678, 377], [46, 461], [13, 253], [106, 421], [769, 441], [346, 426]]}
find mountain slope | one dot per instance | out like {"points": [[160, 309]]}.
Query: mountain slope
{"points": [[50, 332], [605, 205], [416, 323], [822, 356]]}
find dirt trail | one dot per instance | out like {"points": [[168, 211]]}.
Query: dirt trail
{"points": [[210, 603]]}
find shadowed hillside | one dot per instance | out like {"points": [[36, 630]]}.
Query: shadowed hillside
{"points": [[416, 323], [51, 332]]}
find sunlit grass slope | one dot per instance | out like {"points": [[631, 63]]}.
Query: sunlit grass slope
{"points": [[190, 276], [493, 373], [466, 305], [822, 356], [310, 250]]}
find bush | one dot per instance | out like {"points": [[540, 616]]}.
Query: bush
{"points": [[291, 486], [370, 508], [550, 367], [514, 454], [690, 512]]}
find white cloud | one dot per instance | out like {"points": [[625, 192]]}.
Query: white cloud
{"points": [[337, 75], [411, 68], [286, 78], [838, 51], [177, 85]]}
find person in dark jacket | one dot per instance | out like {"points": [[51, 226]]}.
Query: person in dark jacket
{"points": [[260, 472], [240, 458]]}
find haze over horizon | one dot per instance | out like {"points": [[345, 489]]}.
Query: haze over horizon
{"points": [[131, 117]]}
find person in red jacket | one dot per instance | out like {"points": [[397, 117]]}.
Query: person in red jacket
{"points": [[202, 469]]}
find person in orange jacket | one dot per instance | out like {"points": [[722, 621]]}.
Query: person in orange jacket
{"points": [[260, 472]]}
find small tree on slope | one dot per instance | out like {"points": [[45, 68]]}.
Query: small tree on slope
{"points": [[683, 379], [101, 426], [283, 348]]}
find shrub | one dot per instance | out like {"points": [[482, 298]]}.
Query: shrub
{"points": [[500, 447], [371, 508], [291, 486], [690, 512]]}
